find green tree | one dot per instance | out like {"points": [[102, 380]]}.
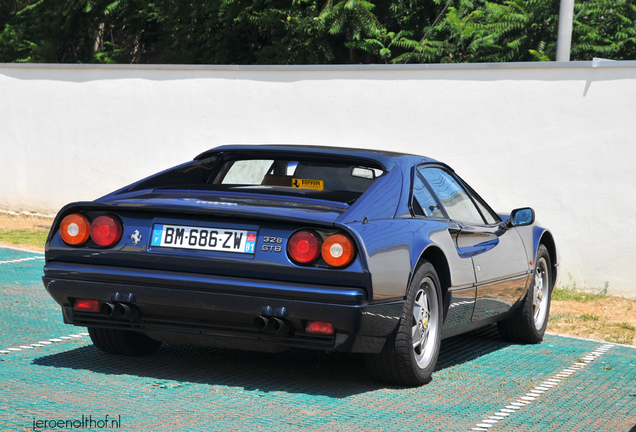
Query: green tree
{"points": [[604, 28], [308, 31], [353, 19]]}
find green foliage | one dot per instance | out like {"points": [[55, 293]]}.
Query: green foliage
{"points": [[540, 53], [269, 32], [354, 18], [569, 294], [482, 31], [380, 45], [606, 28], [308, 31]]}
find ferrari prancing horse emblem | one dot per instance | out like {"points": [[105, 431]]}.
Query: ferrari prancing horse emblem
{"points": [[136, 237]]}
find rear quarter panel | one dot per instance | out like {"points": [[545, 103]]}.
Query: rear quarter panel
{"points": [[392, 249]]}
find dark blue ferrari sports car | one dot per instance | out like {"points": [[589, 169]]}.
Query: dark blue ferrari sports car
{"points": [[272, 248]]}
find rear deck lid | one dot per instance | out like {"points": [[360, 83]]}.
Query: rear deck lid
{"points": [[235, 204]]}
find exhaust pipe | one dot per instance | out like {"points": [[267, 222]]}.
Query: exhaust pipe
{"points": [[260, 323], [107, 309], [277, 325], [124, 311]]}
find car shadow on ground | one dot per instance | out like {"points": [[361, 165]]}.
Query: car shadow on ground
{"points": [[336, 375]]}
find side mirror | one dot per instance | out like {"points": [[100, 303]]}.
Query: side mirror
{"points": [[521, 217]]}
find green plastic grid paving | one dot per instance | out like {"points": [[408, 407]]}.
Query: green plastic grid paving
{"points": [[33, 314], [184, 388]]}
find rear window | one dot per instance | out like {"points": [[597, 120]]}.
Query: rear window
{"points": [[193, 173], [323, 179]]}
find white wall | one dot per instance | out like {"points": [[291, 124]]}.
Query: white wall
{"points": [[558, 137]]}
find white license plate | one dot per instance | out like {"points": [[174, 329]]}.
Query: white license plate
{"points": [[203, 238]]}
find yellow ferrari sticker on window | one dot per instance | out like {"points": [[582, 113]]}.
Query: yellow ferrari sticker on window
{"points": [[308, 184]]}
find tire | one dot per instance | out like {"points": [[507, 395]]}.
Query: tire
{"points": [[530, 319], [410, 354], [122, 342]]}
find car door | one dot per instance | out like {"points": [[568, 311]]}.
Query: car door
{"points": [[498, 256], [460, 299]]}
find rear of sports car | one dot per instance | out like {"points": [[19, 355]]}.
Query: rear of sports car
{"points": [[236, 249]]}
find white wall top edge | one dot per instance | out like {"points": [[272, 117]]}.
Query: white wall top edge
{"points": [[596, 63]]}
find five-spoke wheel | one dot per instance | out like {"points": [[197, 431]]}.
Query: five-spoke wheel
{"points": [[425, 321], [410, 355], [541, 293], [529, 321]]}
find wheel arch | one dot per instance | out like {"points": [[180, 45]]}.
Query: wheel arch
{"points": [[436, 257], [547, 240]]}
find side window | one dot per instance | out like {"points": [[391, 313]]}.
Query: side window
{"points": [[489, 215], [455, 200], [490, 220], [423, 202]]}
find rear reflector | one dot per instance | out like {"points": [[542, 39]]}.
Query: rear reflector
{"points": [[86, 305], [75, 229], [106, 231], [319, 327]]}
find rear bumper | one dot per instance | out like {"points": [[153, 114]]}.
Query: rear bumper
{"points": [[220, 310]]}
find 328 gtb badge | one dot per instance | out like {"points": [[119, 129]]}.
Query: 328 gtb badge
{"points": [[272, 247]]}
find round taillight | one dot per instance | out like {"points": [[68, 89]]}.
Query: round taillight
{"points": [[338, 250], [75, 229], [303, 247], [105, 231]]}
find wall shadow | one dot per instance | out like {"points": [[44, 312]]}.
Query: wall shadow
{"points": [[336, 375]]}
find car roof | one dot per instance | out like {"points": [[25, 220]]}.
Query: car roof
{"points": [[384, 158]]}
